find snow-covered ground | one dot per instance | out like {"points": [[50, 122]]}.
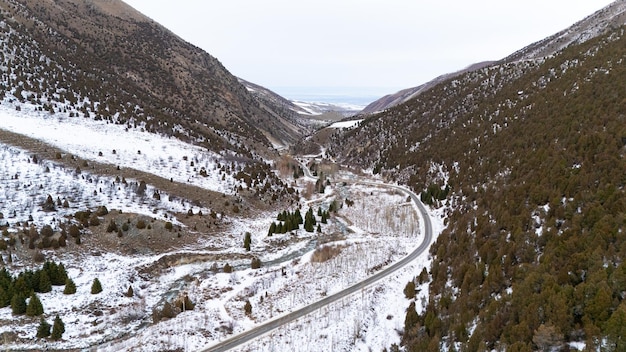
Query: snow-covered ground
{"points": [[345, 124], [119, 145], [379, 228]]}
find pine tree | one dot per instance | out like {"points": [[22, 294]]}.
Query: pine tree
{"points": [[272, 229], [247, 241], [58, 328], [130, 292], [43, 330], [70, 287], [45, 285], [96, 287], [34, 307], [18, 304]]}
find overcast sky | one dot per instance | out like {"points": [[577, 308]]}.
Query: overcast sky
{"points": [[385, 44]]}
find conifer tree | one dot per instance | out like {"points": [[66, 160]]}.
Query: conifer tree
{"points": [[43, 330], [96, 287], [272, 229], [45, 285], [18, 304], [130, 292], [247, 240], [58, 328], [34, 307], [70, 287]]}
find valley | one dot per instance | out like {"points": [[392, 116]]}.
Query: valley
{"points": [[152, 201], [377, 229]]}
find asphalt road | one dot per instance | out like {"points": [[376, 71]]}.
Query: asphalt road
{"points": [[270, 325]]}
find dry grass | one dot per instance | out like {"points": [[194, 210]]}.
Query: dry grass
{"points": [[325, 253]]}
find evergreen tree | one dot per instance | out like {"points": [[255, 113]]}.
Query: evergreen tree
{"points": [[319, 228], [43, 330], [18, 304], [130, 292], [58, 328], [247, 240], [34, 307], [70, 287], [45, 285], [272, 229], [96, 287]]}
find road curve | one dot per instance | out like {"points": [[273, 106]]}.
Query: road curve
{"points": [[270, 325]]}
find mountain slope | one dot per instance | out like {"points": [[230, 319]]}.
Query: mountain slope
{"points": [[131, 70], [391, 100], [528, 157]]}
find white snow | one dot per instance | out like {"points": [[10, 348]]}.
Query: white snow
{"points": [[118, 145], [345, 124]]}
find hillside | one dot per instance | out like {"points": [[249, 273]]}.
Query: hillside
{"points": [[107, 61], [527, 159]]}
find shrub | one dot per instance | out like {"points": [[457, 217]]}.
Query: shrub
{"points": [[94, 221], [255, 263], [43, 330], [96, 287], [141, 224], [58, 328], [168, 226], [228, 268], [112, 227], [70, 287], [18, 304], [248, 307], [34, 308], [102, 211], [184, 304], [409, 290]]}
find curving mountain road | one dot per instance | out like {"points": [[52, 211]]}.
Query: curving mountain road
{"points": [[270, 325]]}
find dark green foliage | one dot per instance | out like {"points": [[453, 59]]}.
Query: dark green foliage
{"points": [[130, 292], [289, 221], [34, 307], [18, 304], [309, 221], [43, 330], [534, 247], [96, 287], [58, 328], [44, 283], [247, 240], [255, 263], [434, 193], [272, 229], [70, 287]]}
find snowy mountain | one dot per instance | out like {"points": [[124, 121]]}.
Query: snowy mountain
{"points": [[526, 158], [607, 19], [132, 71]]}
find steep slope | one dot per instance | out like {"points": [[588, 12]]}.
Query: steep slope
{"points": [[132, 71], [528, 158], [391, 100]]}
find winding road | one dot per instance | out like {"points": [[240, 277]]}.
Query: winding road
{"points": [[270, 325]]}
